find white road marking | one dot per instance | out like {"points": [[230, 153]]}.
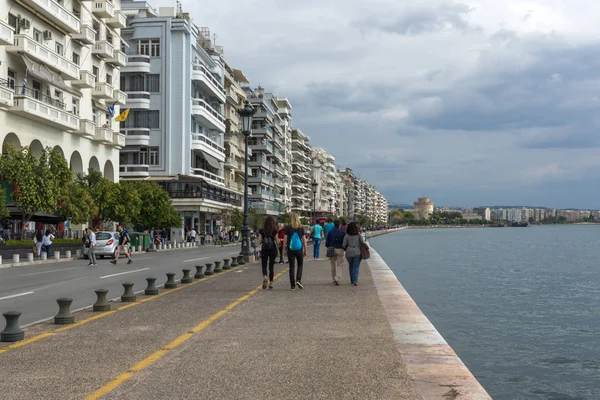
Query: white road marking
{"points": [[196, 259], [237, 252], [16, 295], [47, 272], [123, 273]]}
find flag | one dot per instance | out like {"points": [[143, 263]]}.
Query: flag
{"points": [[111, 110], [24, 82], [123, 116]]}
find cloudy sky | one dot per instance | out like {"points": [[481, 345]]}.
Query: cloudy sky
{"points": [[475, 102]]}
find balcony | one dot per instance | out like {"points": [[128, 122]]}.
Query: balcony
{"points": [[203, 76], [103, 90], [6, 34], [119, 97], [263, 132], [262, 179], [137, 63], [205, 144], [118, 58], [136, 136], [6, 94], [39, 52], [134, 171], [87, 128], [103, 9], [138, 100], [266, 147], [56, 13], [103, 49], [32, 104], [232, 163], [86, 80], [208, 115], [103, 134], [86, 34], [261, 163], [118, 140], [209, 176], [118, 21]]}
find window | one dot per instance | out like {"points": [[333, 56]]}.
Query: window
{"points": [[109, 79], [59, 48], [155, 48], [58, 94], [143, 156], [96, 73], [143, 47], [143, 119], [153, 159], [109, 37], [97, 29], [12, 77], [154, 83], [75, 106], [37, 35], [12, 20], [153, 119], [94, 114], [75, 58]]}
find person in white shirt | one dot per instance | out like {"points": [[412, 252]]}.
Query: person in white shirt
{"points": [[91, 243], [48, 238], [193, 235]]}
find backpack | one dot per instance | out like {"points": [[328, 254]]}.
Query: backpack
{"points": [[268, 244], [295, 242]]}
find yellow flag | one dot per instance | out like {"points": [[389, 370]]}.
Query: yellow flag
{"points": [[123, 116]]}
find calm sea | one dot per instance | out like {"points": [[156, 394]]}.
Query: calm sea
{"points": [[520, 306]]}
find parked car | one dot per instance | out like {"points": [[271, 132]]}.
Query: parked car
{"points": [[106, 245]]}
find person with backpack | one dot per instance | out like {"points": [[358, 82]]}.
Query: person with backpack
{"points": [[352, 244], [39, 242], [123, 245], [267, 238], [294, 245], [280, 235]]}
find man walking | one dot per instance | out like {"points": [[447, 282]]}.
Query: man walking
{"points": [[334, 239], [123, 246], [193, 235], [91, 242], [328, 226]]}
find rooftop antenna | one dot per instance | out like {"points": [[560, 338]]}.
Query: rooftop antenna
{"points": [[214, 39], [179, 8]]}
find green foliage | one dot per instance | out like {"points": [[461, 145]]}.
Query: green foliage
{"points": [[285, 218], [38, 181], [232, 218], [156, 208], [256, 220], [29, 242], [75, 204], [4, 213]]}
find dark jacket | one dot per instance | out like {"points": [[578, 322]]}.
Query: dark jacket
{"points": [[335, 238]]}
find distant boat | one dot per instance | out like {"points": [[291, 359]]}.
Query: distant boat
{"points": [[498, 225], [520, 224]]}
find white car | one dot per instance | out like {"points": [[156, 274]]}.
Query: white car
{"points": [[106, 245]]}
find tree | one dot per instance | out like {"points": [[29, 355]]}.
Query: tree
{"points": [[37, 181], [256, 220], [75, 204], [396, 216], [232, 217], [156, 208]]}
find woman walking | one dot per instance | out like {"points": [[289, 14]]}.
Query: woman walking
{"points": [[48, 238], [294, 245], [352, 244], [267, 238], [39, 242], [317, 236]]}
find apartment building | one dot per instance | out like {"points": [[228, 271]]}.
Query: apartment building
{"points": [[284, 108], [325, 174], [349, 193], [302, 195], [175, 133]]}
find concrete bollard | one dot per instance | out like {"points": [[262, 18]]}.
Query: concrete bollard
{"points": [[57, 255], [64, 316], [128, 295], [30, 257], [68, 254], [241, 260], [78, 254], [218, 267], [199, 273], [171, 284], [16, 258], [44, 256], [226, 265], [139, 248], [209, 269], [0, 260], [151, 289], [12, 332], [186, 276], [234, 262], [102, 303], [169, 246]]}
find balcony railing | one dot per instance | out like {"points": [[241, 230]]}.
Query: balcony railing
{"points": [[103, 90], [118, 58], [136, 136], [103, 8], [103, 48], [6, 93], [47, 56], [199, 72], [86, 80], [134, 170], [204, 105], [118, 140], [200, 194], [36, 94], [58, 14], [86, 34], [119, 96], [137, 63], [208, 141], [44, 108], [86, 128], [6, 34], [204, 173], [118, 21]]}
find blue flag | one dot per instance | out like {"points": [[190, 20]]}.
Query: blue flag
{"points": [[24, 82], [111, 110]]}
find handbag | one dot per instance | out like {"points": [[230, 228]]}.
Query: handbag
{"points": [[330, 252], [364, 251]]}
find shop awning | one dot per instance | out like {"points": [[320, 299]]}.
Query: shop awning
{"points": [[211, 160], [234, 150]]}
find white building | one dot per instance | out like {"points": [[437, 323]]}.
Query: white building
{"points": [[325, 174], [302, 195]]}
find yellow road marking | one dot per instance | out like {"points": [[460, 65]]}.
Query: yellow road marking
{"points": [[152, 358], [107, 313]]}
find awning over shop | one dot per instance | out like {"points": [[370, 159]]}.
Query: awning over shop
{"points": [[43, 73], [16, 214], [234, 150], [211, 160]]}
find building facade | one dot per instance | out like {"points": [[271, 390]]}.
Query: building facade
{"points": [[302, 195], [175, 133], [423, 207], [325, 174]]}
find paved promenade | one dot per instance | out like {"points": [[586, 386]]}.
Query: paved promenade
{"points": [[225, 338]]}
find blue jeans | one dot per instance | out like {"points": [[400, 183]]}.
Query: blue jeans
{"points": [[316, 247], [353, 264]]}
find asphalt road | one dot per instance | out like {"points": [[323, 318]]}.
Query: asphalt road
{"points": [[33, 289]]}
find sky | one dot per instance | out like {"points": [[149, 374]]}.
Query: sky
{"points": [[471, 103]]}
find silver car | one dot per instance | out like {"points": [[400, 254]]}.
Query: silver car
{"points": [[106, 245]]}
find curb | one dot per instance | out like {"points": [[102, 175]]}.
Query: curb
{"points": [[25, 263]]}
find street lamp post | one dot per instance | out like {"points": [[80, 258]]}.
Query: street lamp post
{"points": [[314, 185], [331, 205], [246, 114]]}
